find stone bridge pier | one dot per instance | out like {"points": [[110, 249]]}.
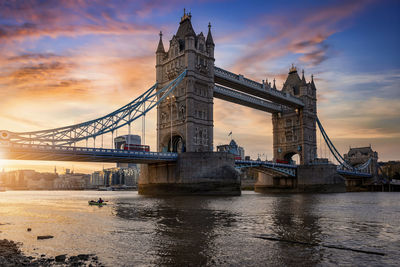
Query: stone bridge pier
{"points": [[195, 173], [310, 178]]}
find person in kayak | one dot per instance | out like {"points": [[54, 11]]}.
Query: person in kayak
{"points": [[100, 200]]}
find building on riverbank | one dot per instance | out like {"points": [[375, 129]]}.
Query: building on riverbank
{"points": [[357, 156], [72, 181], [124, 174], [391, 169], [115, 177], [27, 180], [232, 148]]}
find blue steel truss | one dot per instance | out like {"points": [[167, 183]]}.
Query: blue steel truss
{"points": [[287, 169], [91, 129]]}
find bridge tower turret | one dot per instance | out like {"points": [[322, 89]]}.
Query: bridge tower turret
{"points": [[295, 130], [185, 118]]}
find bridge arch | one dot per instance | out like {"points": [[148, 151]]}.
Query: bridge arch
{"points": [[292, 157], [177, 144]]}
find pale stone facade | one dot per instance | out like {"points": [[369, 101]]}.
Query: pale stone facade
{"points": [[192, 101], [72, 181], [190, 106], [294, 131], [359, 155]]}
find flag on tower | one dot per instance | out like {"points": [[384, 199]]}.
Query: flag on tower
{"points": [[230, 133]]}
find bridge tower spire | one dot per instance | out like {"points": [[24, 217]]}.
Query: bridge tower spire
{"points": [[160, 55], [295, 130], [210, 42], [185, 118]]}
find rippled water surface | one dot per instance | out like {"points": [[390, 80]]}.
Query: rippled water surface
{"points": [[134, 230]]}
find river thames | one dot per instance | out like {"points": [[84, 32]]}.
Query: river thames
{"points": [[134, 230]]}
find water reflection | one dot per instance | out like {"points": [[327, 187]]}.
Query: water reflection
{"points": [[184, 229], [295, 218]]}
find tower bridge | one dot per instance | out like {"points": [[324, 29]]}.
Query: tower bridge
{"points": [[187, 81]]}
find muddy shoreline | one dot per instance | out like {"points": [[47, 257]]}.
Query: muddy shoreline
{"points": [[11, 255]]}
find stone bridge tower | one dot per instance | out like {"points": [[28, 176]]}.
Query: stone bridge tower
{"points": [[294, 131], [189, 127]]}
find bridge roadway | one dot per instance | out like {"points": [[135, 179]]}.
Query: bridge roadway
{"points": [[82, 154], [288, 169], [13, 151], [354, 174], [242, 84]]}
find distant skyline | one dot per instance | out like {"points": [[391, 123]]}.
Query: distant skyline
{"points": [[68, 61]]}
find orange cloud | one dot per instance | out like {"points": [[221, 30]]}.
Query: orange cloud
{"points": [[42, 91], [34, 76]]}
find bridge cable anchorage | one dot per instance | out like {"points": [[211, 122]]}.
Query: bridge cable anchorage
{"points": [[343, 164], [109, 123]]}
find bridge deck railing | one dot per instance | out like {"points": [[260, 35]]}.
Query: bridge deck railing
{"points": [[356, 173], [269, 163], [93, 150]]}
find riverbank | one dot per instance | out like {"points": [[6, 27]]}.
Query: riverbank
{"points": [[11, 255]]}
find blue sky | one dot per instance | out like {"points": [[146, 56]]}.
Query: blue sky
{"points": [[69, 61]]}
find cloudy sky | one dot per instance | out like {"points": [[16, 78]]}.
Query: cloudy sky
{"points": [[68, 61]]}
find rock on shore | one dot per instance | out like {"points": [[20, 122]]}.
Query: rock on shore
{"points": [[11, 255]]}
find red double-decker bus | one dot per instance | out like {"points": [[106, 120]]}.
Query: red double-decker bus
{"points": [[282, 161], [130, 142], [134, 147]]}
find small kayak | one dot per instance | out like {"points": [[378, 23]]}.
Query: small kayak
{"points": [[95, 203]]}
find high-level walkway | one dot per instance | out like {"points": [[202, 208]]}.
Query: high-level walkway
{"points": [[242, 84], [245, 100]]}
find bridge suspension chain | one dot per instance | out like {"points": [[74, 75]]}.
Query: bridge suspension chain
{"points": [[109, 123], [343, 163]]}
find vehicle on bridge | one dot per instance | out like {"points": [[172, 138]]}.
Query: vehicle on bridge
{"points": [[134, 147], [130, 142]]}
